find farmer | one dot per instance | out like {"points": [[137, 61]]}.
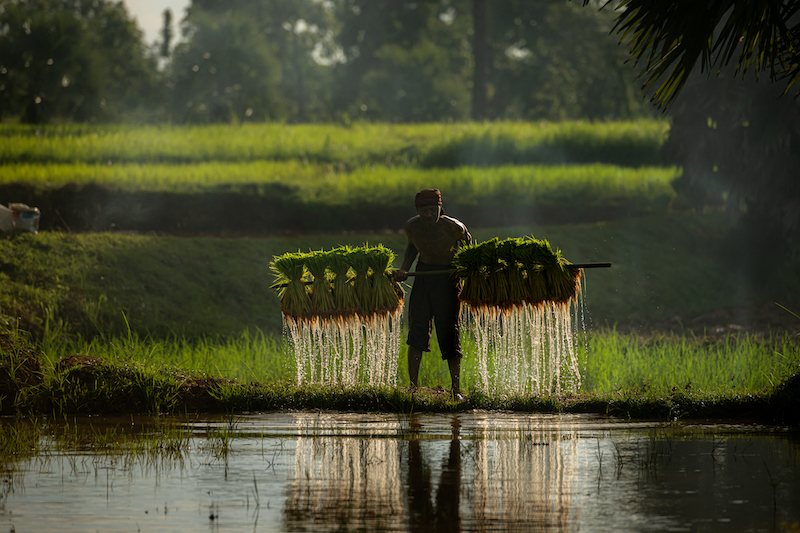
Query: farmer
{"points": [[435, 238]]}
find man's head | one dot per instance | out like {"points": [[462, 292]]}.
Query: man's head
{"points": [[429, 205]]}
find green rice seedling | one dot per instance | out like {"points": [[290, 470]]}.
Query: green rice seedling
{"points": [[468, 264], [516, 285], [290, 269], [322, 301], [496, 278], [344, 293], [433, 145], [563, 283], [386, 293], [359, 262], [532, 254]]}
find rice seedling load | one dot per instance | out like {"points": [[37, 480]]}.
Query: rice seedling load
{"points": [[342, 310], [520, 295]]}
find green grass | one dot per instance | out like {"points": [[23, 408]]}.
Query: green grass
{"points": [[732, 363], [133, 375], [352, 146], [610, 361]]}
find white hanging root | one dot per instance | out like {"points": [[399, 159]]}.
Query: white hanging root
{"points": [[346, 351], [524, 350]]}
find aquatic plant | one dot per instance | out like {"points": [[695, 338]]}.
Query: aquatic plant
{"points": [[359, 262], [519, 293]]}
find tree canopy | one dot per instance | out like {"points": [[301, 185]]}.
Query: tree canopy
{"points": [[670, 38]]}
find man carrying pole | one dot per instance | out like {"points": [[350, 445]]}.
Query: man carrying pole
{"points": [[435, 238]]}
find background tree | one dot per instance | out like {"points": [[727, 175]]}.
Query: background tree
{"points": [[479, 59], [730, 136], [300, 35], [553, 60], [224, 71], [404, 61], [669, 38], [739, 142], [165, 46], [71, 60]]}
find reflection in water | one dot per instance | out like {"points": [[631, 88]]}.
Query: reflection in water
{"points": [[424, 514], [523, 476], [346, 480], [517, 476]]}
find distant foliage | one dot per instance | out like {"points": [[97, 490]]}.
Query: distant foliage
{"points": [[72, 61], [311, 61]]}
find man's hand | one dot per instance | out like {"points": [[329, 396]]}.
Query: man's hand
{"points": [[400, 275]]}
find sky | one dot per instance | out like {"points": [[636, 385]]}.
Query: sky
{"points": [[148, 15]]}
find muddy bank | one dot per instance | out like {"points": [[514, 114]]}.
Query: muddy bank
{"points": [[266, 209]]}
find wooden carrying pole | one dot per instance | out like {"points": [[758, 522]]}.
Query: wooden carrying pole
{"points": [[571, 265], [443, 272]]}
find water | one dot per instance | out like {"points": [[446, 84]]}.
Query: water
{"points": [[378, 472]]}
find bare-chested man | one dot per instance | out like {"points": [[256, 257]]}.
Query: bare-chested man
{"points": [[435, 238]]}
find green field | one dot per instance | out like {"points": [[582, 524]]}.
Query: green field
{"points": [[556, 186]]}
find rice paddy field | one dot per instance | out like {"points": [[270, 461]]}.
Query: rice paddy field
{"points": [[628, 143], [681, 309]]}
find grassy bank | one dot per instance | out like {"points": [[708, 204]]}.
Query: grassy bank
{"points": [[130, 376]]}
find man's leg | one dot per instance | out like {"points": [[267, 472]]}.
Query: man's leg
{"points": [[414, 360], [454, 364]]}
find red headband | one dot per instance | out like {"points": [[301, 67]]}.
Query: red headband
{"points": [[427, 198]]}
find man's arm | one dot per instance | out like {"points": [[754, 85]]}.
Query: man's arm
{"points": [[401, 274], [467, 238]]}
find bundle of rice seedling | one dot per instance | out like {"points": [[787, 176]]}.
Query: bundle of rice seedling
{"points": [[322, 302], [512, 272], [344, 294], [359, 262], [386, 292], [289, 270]]}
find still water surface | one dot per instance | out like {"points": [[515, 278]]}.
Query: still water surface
{"points": [[480, 471]]}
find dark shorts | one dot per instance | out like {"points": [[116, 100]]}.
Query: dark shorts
{"points": [[434, 298]]}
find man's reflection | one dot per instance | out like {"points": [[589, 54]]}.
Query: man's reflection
{"points": [[423, 515]]}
